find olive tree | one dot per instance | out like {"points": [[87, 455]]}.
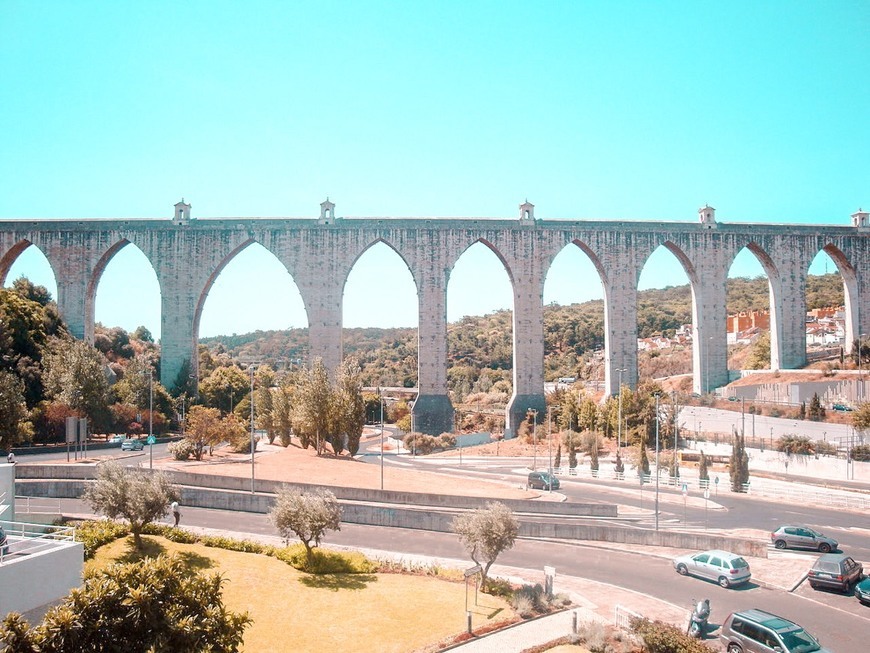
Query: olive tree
{"points": [[485, 533], [307, 515], [136, 495], [156, 604]]}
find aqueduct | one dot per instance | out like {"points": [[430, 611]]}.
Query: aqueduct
{"points": [[187, 254]]}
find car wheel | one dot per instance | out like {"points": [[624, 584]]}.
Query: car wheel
{"points": [[734, 648], [814, 586], [723, 582], [824, 547], [682, 570], [779, 544]]}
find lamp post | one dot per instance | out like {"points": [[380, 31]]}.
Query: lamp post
{"points": [[150, 419], [619, 412], [549, 452], [381, 402], [253, 444], [534, 439], [657, 463]]}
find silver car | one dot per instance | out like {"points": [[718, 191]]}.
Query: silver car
{"points": [[727, 569], [801, 537], [757, 631]]}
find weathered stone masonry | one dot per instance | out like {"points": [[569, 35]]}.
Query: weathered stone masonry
{"points": [[188, 254]]}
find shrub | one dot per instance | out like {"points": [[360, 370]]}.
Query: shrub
{"points": [[861, 453], [659, 637], [181, 449], [530, 597], [96, 533], [794, 444], [446, 441], [171, 533], [232, 544], [325, 562], [593, 635], [825, 448]]}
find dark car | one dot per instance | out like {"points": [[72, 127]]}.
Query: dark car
{"points": [[757, 631], [801, 537], [835, 570], [132, 445], [543, 481], [862, 591]]}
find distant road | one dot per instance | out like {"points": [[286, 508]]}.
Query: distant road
{"points": [[699, 419]]}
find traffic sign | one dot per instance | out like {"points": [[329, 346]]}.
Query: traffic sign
{"points": [[716, 480], [151, 439]]}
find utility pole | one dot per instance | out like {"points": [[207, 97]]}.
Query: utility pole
{"points": [[253, 444], [549, 451], [534, 439], [657, 463], [619, 412]]}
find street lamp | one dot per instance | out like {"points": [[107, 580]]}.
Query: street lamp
{"points": [[150, 419], [381, 402], [253, 444], [657, 462], [549, 452], [619, 414], [534, 439]]}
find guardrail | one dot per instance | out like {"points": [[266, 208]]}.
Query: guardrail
{"points": [[622, 617], [804, 494], [36, 505], [27, 538]]}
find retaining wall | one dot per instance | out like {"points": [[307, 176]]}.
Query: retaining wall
{"points": [[425, 518]]}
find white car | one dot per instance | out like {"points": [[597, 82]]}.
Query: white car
{"points": [[727, 569]]}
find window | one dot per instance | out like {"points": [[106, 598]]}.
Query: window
{"points": [[716, 562], [703, 558]]}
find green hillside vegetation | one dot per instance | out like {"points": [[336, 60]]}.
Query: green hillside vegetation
{"points": [[480, 353]]}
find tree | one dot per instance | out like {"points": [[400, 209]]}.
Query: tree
{"points": [[348, 408], [703, 472], [312, 412], [224, 387], [76, 375], [593, 452], [156, 604], [739, 464], [642, 461], [203, 428], [557, 459], [136, 495], [485, 533], [308, 515], [14, 416], [861, 416], [816, 411], [281, 417], [759, 357]]}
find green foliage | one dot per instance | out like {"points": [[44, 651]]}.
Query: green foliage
{"points": [[136, 495], [93, 534], [860, 453], [739, 464], [74, 375], [313, 407], [660, 637], [485, 533], [861, 416], [324, 561], [825, 448], [307, 515], [557, 459], [703, 468], [15, 425], [759, 354], [816, 411], [224, 388], [643, 461], [795, 444], [181, 449], [156, 604]]}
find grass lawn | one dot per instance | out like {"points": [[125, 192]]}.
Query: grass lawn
{"points": [[293, 611]]}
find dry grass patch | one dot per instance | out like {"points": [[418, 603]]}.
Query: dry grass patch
{"points": [[293, 611]]}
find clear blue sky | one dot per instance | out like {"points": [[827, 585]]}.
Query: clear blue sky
{"points": [[605, 110]]}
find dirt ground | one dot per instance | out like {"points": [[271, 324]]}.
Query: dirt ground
{"points": [[293, 463]]}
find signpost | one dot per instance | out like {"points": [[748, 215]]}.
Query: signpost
{"points": [[685, 496], [471, 571], [706, 496]]}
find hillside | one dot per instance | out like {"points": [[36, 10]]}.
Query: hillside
{"points": [[480, 350]]}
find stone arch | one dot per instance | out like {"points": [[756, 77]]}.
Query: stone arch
{"points": [[219, 268], [8, 259], [94, 282], [849, 275], [493, 248], [362, 252]]}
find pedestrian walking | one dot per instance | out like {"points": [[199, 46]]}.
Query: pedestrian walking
{"points": [[175, 512]]}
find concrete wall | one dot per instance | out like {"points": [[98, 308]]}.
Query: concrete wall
{"points": [[7, 492], [427, 518], [40, 578]]}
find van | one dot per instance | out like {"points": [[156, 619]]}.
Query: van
{"points": [[757, 631], [542, 481]]}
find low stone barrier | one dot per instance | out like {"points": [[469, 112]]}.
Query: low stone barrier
{"points": [[427, 518]]}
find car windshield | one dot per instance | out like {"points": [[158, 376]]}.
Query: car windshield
{"points": [[739, 563], [799, 641], [810, 531]]}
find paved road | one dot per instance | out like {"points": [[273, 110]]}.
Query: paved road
{"points": [[833, 618]]}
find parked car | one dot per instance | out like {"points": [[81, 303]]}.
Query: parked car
{"points": [[757, 631], [543, 481], [727, 569], [132, 445], [862, 591], [835, 570], [801, 537], [117, 439]]}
